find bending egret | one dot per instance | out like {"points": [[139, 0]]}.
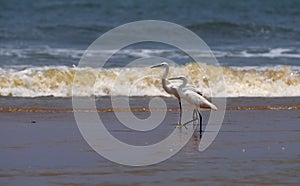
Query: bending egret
{"points": [[192, 97], [170, 88]]}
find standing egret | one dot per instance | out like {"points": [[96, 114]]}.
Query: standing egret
{"points": [[192, 97], [170, 88]]}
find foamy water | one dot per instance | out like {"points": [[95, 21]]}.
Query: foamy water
{"points": [[76, 54], [58, 81]]}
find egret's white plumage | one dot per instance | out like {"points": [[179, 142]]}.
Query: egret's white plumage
{"points": [[193, 97], [169, 88], [173, 88]]}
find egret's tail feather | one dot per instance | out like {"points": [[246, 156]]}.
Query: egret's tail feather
{"points": [[213, 107], [210, 105]]}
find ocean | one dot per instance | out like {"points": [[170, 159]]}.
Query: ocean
{"points": [[257, 44]]}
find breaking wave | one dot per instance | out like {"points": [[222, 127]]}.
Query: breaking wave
{"points": [[143, 81]]}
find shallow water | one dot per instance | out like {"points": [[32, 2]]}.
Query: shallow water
{"points": [[254, 147]]}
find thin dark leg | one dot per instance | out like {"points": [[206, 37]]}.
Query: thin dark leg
{"points": [[180, 110], [200, 122]]}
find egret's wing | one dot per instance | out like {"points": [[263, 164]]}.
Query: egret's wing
{"points": [[192, 88], [196, 99]]}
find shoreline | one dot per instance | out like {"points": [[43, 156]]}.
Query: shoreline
{"points": [[139, 104]]}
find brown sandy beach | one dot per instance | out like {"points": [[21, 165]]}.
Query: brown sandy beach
{"points": [[258, 144]]}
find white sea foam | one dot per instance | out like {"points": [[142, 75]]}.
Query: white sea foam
{"points": [[58, 81]]}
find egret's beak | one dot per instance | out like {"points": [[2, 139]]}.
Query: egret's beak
{"points": [[174, 78], [155, 66]]}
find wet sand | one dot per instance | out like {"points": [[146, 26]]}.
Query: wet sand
{"points": [[258, 144]]}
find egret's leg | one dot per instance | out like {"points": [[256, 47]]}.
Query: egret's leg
{"points": [[180, 125], [194, 120], [180, 112], [200, 122]]}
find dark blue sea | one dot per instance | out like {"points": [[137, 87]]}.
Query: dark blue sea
{"points": [[49, 32]]}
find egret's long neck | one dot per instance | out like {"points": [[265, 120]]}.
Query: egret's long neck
{"points": [[164, 82], [165, 73], [184, 82]]}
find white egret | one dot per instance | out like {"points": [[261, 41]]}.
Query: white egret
{"points": [[170, 88], [192, 97]]}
